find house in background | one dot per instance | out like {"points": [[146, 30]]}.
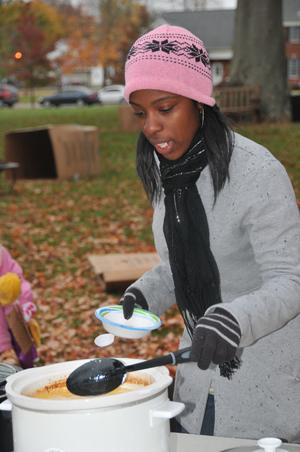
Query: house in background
{"points": [[216, 28], [291, 22]]}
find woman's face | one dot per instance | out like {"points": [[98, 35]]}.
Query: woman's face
{"points": [[168, 121]]}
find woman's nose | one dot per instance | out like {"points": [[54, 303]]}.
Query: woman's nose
{"points": [[152, 124]]}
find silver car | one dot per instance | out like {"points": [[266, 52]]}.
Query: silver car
{"points": [[112, 94]]}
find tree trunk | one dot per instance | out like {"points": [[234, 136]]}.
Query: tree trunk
{"points": [[259, 54]]}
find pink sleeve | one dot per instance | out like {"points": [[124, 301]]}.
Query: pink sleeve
{"points": [[5, 339], [8, 264]]}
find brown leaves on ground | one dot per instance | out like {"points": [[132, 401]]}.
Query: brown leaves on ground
{"points": [[50, 228]]}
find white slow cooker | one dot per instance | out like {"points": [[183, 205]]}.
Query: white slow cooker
{"points": [[129, 422]]}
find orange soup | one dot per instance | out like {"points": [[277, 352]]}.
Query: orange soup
{"points": [[58, 390]]}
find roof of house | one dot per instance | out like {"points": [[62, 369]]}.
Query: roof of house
{"points": [[216, 26], [291, 12]]}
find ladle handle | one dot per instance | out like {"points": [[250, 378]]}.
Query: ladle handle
{"points": [[178, 357]]}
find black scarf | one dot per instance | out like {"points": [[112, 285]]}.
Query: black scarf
{"points": [[195, 272], [194, 269]]}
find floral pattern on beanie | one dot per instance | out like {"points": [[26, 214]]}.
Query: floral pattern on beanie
{"points": [[182, 49]]}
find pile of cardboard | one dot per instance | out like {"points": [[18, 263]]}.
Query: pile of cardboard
{"points": [[54, 151], [19, 329], [118, 270]]}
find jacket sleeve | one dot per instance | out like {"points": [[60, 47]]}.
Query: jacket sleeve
{"points": [[157, 288], [273, 226], [8, 264]]}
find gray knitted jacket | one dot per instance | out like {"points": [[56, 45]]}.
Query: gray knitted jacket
{"points": [[255, 238]]}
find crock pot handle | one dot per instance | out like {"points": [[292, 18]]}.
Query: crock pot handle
{"points": [[165, 411]]}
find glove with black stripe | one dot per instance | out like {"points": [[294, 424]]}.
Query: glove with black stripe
{"points": [[216, 338], [132, 298]]}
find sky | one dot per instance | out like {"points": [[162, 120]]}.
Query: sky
{"points": [[167, 5]]}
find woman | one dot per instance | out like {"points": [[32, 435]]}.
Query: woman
{"points": [[226, 227]]}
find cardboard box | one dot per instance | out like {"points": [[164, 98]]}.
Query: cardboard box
{"points": [[54, 151], [128, 121], [118, 270], [19, 329]]}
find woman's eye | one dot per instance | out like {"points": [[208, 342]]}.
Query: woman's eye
{"points": [[165, 109], [138, 113]]}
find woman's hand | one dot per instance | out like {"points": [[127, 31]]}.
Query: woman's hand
{"points": [[216, 338], [9, 357], [132, 298]]}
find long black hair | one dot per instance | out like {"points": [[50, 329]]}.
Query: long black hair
{"points": [[218, 137]]}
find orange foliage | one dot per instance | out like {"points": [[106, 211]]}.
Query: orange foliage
{"points": [[121, 23], [80, 38], [103, 43], [36, 28]]}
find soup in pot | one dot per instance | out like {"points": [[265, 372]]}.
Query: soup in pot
{"points": [[58, 390]]}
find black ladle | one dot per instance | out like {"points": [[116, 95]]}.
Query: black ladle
{"points": [[102, 375]]}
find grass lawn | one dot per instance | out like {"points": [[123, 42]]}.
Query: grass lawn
{"points": [[51, 226]]}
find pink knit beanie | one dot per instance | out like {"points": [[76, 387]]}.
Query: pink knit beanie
{"points": [[171, 59]]}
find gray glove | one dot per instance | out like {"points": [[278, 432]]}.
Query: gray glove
{"points": [[132, 298], [216, 339]]}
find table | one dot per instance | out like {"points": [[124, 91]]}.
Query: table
{"points": [[181, 442]]}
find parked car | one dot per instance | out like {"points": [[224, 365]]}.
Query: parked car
{"points": [[112, 94], [8, 95], [71, 95]]}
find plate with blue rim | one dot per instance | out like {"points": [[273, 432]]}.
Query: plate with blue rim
{"points": [[139, 325]]}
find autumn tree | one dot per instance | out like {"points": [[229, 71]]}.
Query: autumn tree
{"points": [[121, 22], [259, 56], [100, 41], [34, 30], [80, 32], [8, 18]]}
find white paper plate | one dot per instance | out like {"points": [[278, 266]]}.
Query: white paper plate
{"points": [[140, 324]]}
